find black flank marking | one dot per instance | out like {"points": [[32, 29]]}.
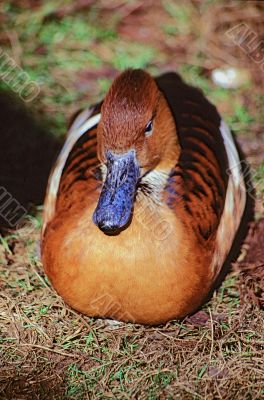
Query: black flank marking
{"points": [[79, 145], [192, 156], [213, 143], [191, 166], [188, 209], [89, 156], [205, 123], [86, 137], [77, 152], [80, 177], [215, 207], [192, 124], [175, 172], [209, 141], [189, 163], [186, 197], [195, 146], [145, 188], [205, 234], [217, 184], [185, 175], [199, 191]]}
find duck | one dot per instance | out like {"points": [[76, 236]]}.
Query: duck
{"points": [[143, 203]]}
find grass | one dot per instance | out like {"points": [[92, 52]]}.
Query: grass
{"points": [[48, 351]]}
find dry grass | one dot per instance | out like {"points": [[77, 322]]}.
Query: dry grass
{"points": [[48, 351], [51, 352]]}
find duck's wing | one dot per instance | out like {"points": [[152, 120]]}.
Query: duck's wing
{"points": [[235, 202], [77, 153], [207, 181]]}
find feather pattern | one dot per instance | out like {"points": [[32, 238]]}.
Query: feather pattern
{"points": [[182, 189]]}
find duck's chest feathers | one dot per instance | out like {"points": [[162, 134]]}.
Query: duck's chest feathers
{"points": [[153, 231], [141, 265], [151, 186]]}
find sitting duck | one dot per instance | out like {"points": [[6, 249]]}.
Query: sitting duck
{"points": [[143, 203]]}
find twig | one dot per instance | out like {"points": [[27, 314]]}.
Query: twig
{"points": [[49, 349]]}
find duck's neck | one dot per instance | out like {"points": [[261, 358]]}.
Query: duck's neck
{"points": [[168, 137]]}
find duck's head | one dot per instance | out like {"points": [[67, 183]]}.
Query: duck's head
{"points": [[136, 134]]}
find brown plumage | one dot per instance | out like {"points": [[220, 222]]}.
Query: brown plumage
{"points": [[143, 203]]}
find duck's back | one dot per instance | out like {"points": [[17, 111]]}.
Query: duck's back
{"points": [[209, 173]]}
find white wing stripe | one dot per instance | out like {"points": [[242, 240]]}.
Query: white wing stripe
{"points": [[80, 125], [235, 202], [232, 154]]}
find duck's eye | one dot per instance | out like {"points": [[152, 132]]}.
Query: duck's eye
{"points": [[148, 129]]}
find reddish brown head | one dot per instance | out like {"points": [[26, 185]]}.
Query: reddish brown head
{"points": [[135, 115]]}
